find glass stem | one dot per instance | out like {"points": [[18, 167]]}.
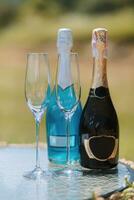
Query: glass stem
{"points": [[68, 120], [37, 144]]}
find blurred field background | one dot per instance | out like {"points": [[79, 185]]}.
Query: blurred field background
{"points": [[31, 26]]}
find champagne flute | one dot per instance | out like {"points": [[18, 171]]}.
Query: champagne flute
{"points": [[68, 98], [37, 94]]}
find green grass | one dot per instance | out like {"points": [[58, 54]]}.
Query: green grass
{"points": [[34, 30]]}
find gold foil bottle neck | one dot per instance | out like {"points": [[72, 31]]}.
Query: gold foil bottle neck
{"points": [[99, 42]]}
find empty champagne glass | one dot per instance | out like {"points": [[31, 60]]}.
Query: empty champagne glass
{"points": [[68, 98], [37, 93]]}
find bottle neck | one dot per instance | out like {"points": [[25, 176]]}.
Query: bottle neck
{"points": [[64, 71], [99, 72]]}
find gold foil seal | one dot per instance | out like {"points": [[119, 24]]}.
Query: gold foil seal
{"points": [[100, 43]]}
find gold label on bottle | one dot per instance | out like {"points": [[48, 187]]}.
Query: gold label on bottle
{"points": [[101, 148]]}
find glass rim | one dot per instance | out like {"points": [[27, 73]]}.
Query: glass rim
{"points": [[72, 53], [36, 53]]}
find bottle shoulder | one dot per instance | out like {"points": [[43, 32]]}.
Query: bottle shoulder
{"points": [[99, 99], [99, 107], [99, 114]]}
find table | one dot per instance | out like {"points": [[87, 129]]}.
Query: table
{"points": [[14, 161]]}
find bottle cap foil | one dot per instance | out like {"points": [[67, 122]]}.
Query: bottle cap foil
{"points": [[64, 38], [100, 43]]}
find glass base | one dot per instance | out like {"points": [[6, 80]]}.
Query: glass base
{"points": [[35, 174], [69, 171]]}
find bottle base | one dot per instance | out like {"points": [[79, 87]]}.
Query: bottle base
{"points": [[96, 165], [58, 156], [57, 162]]}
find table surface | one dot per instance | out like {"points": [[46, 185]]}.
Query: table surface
{"points": [[14, 161]]}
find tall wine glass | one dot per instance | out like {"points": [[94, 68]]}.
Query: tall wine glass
{"points": [[68, 98], [37, 93]]}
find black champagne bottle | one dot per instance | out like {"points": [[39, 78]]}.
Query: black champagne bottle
{"points": [[99, 129]]}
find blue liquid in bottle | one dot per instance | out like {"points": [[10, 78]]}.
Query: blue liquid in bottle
{"points": [[56, 125], [56, 129]]}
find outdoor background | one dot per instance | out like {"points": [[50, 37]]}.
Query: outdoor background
{"points": [[31, 26]]}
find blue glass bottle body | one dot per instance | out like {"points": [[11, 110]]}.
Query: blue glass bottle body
{"points": [[56, 130]]}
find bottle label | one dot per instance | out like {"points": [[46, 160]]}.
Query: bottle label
{"points": [[101, 148], [61, 141]]}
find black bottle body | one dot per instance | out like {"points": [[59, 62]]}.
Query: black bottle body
{"points": [[99, 131]]}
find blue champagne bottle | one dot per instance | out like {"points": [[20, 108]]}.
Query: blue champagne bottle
{"points": [[55, 119]]}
